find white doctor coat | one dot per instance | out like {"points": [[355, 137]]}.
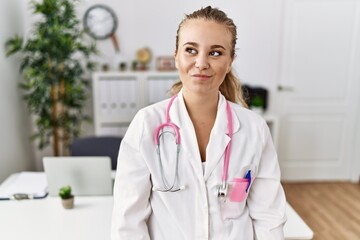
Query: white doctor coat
{"points": [[196, 213]]}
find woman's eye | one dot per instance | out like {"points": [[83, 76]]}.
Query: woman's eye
{"points": [[215, 53], [190, 50]]}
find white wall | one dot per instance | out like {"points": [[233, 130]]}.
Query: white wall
{"points": [[15, 148], [355, 166], [356, 160]]}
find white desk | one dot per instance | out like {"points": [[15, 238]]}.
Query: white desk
{"points": [[295, 228], [90, 219], [45, 219]]}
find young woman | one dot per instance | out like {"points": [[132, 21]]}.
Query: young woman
{"points": [[199, 165]]}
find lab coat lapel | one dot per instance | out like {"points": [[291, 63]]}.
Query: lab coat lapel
{"points": [[179, 116], [219, 137]]}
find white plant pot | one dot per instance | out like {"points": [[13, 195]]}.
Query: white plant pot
{"points": [[68, 203]]}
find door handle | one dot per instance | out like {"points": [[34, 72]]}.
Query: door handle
{"points": [[285, 88]]}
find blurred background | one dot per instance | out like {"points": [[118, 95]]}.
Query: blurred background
{"points": [[305, 56]]}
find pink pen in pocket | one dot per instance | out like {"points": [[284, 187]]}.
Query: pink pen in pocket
{"points": [[240, 187]]}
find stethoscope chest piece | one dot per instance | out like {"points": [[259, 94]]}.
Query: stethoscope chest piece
{"points": [[222, 190]]}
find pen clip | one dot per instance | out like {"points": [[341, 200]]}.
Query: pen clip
{"points": [[248, 177]]}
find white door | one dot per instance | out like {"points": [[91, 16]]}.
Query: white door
{"points": [[318, 89]]}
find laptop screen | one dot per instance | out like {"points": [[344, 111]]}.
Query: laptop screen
{"points": [[86, 175]]}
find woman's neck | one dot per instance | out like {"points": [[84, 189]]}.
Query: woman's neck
{"points": [[200, 106], [202, 110]]}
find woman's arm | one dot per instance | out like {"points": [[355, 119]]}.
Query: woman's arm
{"points": [[132, 188], [267, 200]]}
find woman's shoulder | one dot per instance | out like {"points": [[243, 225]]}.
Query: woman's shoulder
{"points": [[247, 115], [145, 121]]}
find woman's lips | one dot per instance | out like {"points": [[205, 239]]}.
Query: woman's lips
{"points": [[201, 76]]}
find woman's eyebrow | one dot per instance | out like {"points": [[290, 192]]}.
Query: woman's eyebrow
{"points": [[196, 45], [218, 46], [191, 43]]}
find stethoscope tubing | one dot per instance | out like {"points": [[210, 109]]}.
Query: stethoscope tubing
{"points": [[228, 147], [166, 186], [222, 190], [167, 124]]}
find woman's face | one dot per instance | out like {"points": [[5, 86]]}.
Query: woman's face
{"points": [[204, 56]]}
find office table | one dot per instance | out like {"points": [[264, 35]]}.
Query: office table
{"points": [[45, 219], [90, 219]]}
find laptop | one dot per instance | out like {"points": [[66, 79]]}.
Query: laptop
{"points": [[86, 175]]}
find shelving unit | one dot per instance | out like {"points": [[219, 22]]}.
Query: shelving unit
{"points": [[119, 95]]}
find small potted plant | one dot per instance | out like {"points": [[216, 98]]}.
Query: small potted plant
{"points": [[122, 66], [67, 199]]}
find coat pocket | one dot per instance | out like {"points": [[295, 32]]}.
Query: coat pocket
{"points": [[238, 189], [235, 202], [231, 210]]}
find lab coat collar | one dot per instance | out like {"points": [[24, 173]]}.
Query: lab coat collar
{"points": [[178, 114], [188, 142], [219, 137]]}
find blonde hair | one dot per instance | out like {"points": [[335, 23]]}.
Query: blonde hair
{"points": [[230, 87]]}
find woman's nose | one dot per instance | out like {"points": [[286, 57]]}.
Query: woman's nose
{"points": [[202, 62]]}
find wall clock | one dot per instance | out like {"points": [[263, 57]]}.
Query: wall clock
{"points": [[101, 22]]}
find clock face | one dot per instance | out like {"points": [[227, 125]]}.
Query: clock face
{"points": [[100, 21]]}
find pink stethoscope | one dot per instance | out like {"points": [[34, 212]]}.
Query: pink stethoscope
{"points": [[171, 187]]}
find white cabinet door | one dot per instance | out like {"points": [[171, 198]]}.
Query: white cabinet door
{"points": [[116, 101], [158, 87], [119, 95], [319, 88]]}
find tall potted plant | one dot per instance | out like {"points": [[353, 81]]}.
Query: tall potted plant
{"points": [[54, 60]]}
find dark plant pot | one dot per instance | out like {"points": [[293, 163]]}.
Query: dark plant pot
{"points": [[68, 203]]}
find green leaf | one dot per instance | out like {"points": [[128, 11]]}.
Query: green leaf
{"points": [[65, 192], [13, 45]]}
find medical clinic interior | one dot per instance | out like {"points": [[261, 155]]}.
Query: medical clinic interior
{"points": [[298, 62]]}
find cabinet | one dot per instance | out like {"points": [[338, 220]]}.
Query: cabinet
{"points": [[119, 95]]}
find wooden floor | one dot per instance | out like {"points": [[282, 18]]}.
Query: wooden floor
{"points": [[331, 210]]}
